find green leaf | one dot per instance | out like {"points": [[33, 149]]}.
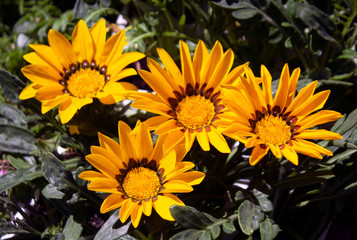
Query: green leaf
{"points": [[16, 177], [10, 228], [73, 229], [228, 227], [316, 19], [245, 11], [189, 234], [16, 140], [50, 191], [349, 122], [268, 230], [112, 228], [205, 236], [249, 217], [11, 86], [231, 4], [305, 179], [189, 217], [215, 231], [264, 202], [11, 115], [56, 173], [17, 163]]}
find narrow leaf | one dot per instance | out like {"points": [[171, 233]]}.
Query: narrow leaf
{"points": [[112, 228]]}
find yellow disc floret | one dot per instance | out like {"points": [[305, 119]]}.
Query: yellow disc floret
{"points": [[141, 183], [85, 83], [195, 112], [273, 130]]}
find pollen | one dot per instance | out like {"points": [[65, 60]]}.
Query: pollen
{"points": [[141, 183], [85, 82], [273, 130], [195, 112]]}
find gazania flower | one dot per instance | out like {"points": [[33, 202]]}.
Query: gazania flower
{"points": [[71, 75], [281, 124], [137, 175], [189, 103]]}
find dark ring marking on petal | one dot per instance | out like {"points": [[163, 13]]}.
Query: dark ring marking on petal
{"points": [[190, 90], [208, 93], [173, 102]]}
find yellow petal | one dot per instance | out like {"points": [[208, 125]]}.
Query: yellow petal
{"points": [[62, 48], [318, 118], [212, 62], [186, 65], [116, 68], [266, 80], [303, 96], [203, 140], [168, 126], [292, 88], [109, 155], [46, 54], [29, 91], [48, 105], [170, 66], [301, 148], [168, 162], [221, 70], [164, 202], [110, 145], [104, 165], [66, 110], [127, 143], [98, 32], [106, 185], [113, 201], [314, 147], [136, 215], [253, 141], [113, 48], [126, 209], [218, 141], [314, 103], [283, 88], [49, 92], [90, 175], [318, 134], [191, 178], [174, 138], [257, 154], [179, 168], [234, 75], [152, 106], [159, 85], [275, 150], [199, 62], [154, 122], [290, 154], [41, 74], [157, 70], [147, 206], [143, 141], [82, 42], [176, 186]]}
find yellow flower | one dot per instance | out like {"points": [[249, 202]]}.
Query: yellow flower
{"points": [[281, 124], [189, 103], [71, 75], [138, 175]]}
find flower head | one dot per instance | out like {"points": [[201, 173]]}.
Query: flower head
{"points": [[281, 124], [71, 75], [189, 102], [137, 175]]}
